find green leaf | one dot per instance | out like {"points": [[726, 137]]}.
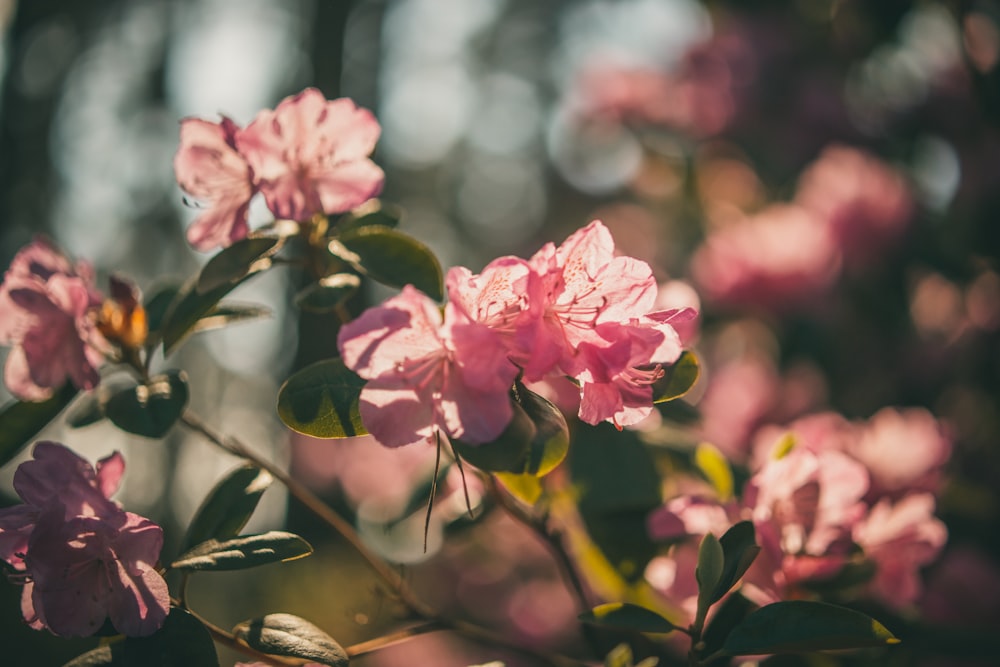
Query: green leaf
{"points": [[244, 552], [708, 573], [150, 409], [329, 293], [228, 506], [225, 314], [321, 400], [20, 421], [678, 378], [714, 466], [372, 212], [534, 443], [188, 306], [391, 257], [293, 637], [739, 548], [157, 303], [628, 617], [182, 642], [232, 264], [800, 625]]}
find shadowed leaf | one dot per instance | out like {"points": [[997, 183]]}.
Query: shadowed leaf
{"points": [[291, 636], [328, 293], [231, 264], [678, 378], [739, 548], [391, 257], [182, 642], [228, 506], [243, 552], [150, 409], [20, 421], [321, 400], [628, 617]]}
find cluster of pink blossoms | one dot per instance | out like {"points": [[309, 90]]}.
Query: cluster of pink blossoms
{"points": [[574, 310], [846, 495], [81, 557], [47, 315], [307, 156]]}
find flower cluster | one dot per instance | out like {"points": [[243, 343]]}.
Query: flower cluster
{"points": [[845, 496], [81, 557], [47, 315], [307, 156], [574, 310]]}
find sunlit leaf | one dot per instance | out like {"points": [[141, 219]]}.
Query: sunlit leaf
{"points": [[293, 637], [228, 313], [372, 212], [799, 625], [150, 409], [391, 257], [329, 293], [714, 466], [243, 552], [527, 488], [235, 262], [739, 548], [628, 617], [678, 378], [182, 642], [20, 421], [321, 400], [228, 506]]}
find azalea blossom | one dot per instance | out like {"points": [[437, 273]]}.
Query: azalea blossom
{"points": [[46, 315], [81, 557], [310, 155], [427, 376]]}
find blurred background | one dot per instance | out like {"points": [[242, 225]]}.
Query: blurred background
{"points": [[707, 136]]}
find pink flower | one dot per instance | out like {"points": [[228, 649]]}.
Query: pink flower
{"points": [[309, 155], [81, 558], [901, 538], [778, 258], [427, 376], [866, 204], [210, 169], [45, 315]]}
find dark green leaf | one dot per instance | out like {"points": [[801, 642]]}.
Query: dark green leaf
{"points": [[20, 421], [182, 642], [677, 378], [800, 625], [628, 617], [391, 257], [243, 552], [291, 636], [231, 264], [329, 293], [372, 212], [739, 547], [229, 313], [188, 306], [228, 506], [708, 573], [321, 400], [534, 443], [150, 409], [157, 304]]}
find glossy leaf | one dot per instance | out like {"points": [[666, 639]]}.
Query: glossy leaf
{"points": [[182, 642], [678, 378], [534, 443], [526, 488], [329, 293], [244, 552], [800, 625], [321, 400], [290, 636], [628, 617], [157, 304], [708, 573], [225, 314], [150, 409], [228, 506], [20, 421], [714, 466], [391, 257], [187, 307], [372, 212], [235, 262], [739, 548]]}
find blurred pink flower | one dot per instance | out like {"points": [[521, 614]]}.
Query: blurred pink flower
{"points": [[900, 538], [310, 155], [426, 376], [46, 316], [866, 203], [780, 257], [210, 169], [81, 558], [963, 589]]}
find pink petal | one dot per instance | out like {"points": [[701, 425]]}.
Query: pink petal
{"points": [[395, 414], [109, 473], [344, 185]]}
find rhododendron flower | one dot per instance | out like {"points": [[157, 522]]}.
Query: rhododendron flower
{"points": [[213, 172], [427, 376], [45, 314], [81, 558], [310, 155]]}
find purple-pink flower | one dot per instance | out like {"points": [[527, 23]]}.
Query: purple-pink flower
{"points": [[427, 376], [81, 557], [46, 316], [307, 156]]}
